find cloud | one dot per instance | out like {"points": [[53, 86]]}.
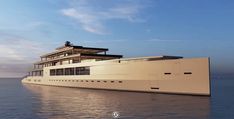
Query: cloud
{"points": [[8, 53], [28, 26], [92, 15], [104, 41], [14, 70], [35, 24], [163, 40], [18, 48], [17, 54]]}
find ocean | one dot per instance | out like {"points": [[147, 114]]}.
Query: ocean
{"points": [[25, 101]]}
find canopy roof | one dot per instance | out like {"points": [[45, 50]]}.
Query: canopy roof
{"points": [[82, 56], [79, 49]]}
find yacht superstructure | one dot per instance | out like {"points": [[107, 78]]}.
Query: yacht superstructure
{"points": [[87, 67]]}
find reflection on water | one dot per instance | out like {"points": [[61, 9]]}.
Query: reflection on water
{"points": [[60, 103]]}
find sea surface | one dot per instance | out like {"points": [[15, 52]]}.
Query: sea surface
{"points": [[25, 101]]}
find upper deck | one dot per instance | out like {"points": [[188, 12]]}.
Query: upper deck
{"points": [[70, 49], [70, 53]]}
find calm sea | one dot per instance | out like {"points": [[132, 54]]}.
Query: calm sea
{"points": [[18, 101]]}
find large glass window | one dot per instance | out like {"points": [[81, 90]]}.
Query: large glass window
{"points": [[36, 73], [77, 70], [70, 71], [59, 72], [87, 71], [82, 71], [52, 72]]}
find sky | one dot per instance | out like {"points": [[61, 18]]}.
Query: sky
{"points": [[133, 28]]}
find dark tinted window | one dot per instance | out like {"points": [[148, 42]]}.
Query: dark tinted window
{"points": [[59, 72]]}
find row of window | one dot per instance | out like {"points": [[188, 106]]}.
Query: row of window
{"points": [[70, 71], [85, 81], [168, 73], [35, 80], [35, 73]]}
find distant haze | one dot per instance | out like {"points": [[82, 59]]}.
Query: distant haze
{"points": [[189, 28]]}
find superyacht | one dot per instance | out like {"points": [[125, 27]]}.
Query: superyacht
{"points": [[89, 67]]}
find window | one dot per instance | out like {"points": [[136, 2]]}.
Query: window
{"points": [[59, 71], [120, 81], [87, 71], [187, 72], [167, 73], [36, 73], [82, 71], [77, 71], [69, 71], [154, 88], [52, 72]]}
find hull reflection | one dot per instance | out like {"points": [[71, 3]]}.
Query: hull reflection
{"points": [[60, 103]]}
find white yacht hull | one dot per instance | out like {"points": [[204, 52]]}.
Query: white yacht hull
{"points": [[178, 76]]}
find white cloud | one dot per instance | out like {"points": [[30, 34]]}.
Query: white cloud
{"points": [[162, 40], [92, 15], [20, 50], [27, 26], [17, 54], [9, 53], [104, 41], [14, 70], [35, 24]]}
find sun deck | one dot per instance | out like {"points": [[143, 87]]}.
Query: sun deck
{"points": [[69, 54]]}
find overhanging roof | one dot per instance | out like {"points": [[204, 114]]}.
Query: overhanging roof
{"points": [[80, 49], [164, 57], [82, 56]]}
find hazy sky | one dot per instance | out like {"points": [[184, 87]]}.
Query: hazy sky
{"points": [[189, 28]]}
